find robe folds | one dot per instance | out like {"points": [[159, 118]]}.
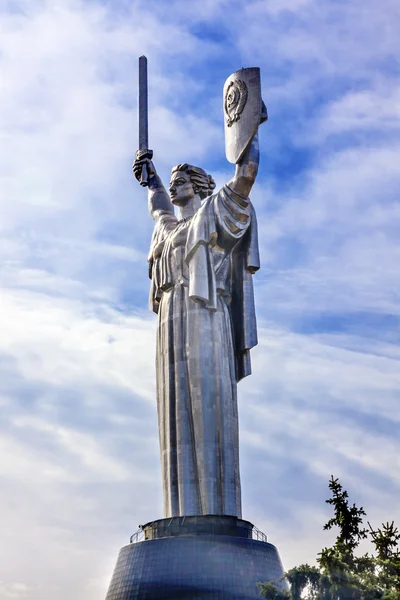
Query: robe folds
{"points": [[201, 287]]}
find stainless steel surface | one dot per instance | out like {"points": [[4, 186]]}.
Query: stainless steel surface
{"points": [[143, 151], [136, 537], [201, 264], [143, 105], [242, 111]]}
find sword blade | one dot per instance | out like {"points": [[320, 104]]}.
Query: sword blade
{"points": [[143, 105]]}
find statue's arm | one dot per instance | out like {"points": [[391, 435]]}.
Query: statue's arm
{"points": [[158, 199], [246, 170]]}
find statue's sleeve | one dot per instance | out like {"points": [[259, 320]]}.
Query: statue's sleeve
{"points": [[237, 232], [229, 221], [233, 217]]}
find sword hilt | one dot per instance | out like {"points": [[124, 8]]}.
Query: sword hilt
{"points": [[140, 155]]}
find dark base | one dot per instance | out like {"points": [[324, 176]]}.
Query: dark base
{"points": [[198, 525], [194, 565]]}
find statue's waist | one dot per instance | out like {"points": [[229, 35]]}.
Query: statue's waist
{"points": [[183, 282], [167, 287]]}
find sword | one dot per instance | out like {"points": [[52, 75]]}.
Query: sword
{"points": [[143, 151]]}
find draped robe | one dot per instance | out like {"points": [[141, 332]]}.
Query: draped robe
{"points": [[201, 287]]}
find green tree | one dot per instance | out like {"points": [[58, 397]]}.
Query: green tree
{"points": [[270, 591], [341, 574], [348, 519], [387, 563], [303, 578]]}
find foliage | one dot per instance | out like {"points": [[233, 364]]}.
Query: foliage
{"points": [[301, 578], [341, 574], [347, 518], [271, 592]]}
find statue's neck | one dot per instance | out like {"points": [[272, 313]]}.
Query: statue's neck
{"points": [[187, 211]]}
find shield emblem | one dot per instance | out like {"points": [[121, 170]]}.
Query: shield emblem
{"points": [[242, 111]]}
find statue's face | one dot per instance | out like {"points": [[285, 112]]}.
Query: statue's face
{"points": [[181, 188]]}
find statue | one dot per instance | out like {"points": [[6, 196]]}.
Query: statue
{"points": [[201, 264]]}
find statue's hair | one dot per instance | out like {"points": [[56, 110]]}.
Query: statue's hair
{"points": [[203, 184]]}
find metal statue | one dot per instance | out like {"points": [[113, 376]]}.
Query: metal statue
{"points": [[201, 264]]}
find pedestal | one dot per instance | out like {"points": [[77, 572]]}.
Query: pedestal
{"points": [[202, 558]]}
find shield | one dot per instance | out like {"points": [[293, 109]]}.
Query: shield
{"points": [[242, 111]]}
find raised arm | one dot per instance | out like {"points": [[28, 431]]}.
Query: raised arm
{"points": [[246, 170], [158, 199]]}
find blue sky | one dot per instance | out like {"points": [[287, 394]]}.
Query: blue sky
{"points": [[79, 462]]}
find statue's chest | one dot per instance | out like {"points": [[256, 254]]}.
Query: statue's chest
{"points": [[179, 234], [176, 252]]}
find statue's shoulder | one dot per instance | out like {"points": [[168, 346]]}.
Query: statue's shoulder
{"points": [[210, 204], [206, 205], [212, 199]]}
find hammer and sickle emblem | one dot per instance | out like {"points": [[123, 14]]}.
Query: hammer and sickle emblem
{"points": [[235, 101]]}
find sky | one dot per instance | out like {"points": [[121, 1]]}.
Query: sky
{"points": [[79, 466]]}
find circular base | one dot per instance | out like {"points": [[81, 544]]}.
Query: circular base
{"points": [[198, 525], [201, 567]]}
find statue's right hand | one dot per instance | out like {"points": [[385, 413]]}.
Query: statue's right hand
{"points": [[143, 158]]}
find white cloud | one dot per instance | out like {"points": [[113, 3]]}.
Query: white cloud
{"points": [[375, 109], [314, 407], [330, 241], [14, 590], [80, 436]]}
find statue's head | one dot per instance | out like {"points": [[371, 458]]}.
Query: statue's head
{"points": [[188, 181]]}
